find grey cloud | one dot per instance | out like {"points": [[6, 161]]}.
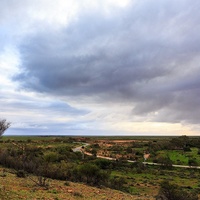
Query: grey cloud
{"points": [[138, 56], [53, 108], [46, 128]]}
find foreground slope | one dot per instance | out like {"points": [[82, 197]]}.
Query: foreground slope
{"points": [[16, 188]]}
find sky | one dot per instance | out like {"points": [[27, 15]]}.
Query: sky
{"points": [[100, 67]]}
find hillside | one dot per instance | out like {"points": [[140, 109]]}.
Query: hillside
{"points": [[13, 187]]}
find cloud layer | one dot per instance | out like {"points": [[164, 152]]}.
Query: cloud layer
{"points": [[141, 57], [146, 55]]}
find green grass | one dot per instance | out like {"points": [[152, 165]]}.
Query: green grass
{"points": [[149, 180], [179, 156]]}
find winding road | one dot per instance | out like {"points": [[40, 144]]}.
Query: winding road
{"points": [[81, 149]]}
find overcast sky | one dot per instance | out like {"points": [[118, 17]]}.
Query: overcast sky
{"points": [[111, 67]]}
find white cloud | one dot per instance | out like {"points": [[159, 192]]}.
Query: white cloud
{"points": [[9, 62], [106, 64]]}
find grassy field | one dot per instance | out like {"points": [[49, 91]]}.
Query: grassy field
{"points": [[58, 161], [141, 185], [179, 157], [148, 181]]}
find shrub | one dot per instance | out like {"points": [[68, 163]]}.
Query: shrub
{"points": [[90, 174], [117, 183], [170, 191], [192, 162], [51, 157], [21, 174], [67, 183], [103, 163], [77, 194]]}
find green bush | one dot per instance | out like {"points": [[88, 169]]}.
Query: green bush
{"points": [[165, 161], [170, 191], [192, 162], [51, 157], [103, 163], [117, 183], [91, 174]]}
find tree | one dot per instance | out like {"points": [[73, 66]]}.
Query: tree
{"points": [[94, 152], [181, 142], [165, 161], [4, 125]]}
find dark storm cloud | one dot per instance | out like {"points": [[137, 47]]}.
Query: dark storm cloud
{"points": [[145, 55]]}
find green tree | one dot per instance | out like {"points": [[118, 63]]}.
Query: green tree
{"points": [[165, 161], [181, 142]]}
